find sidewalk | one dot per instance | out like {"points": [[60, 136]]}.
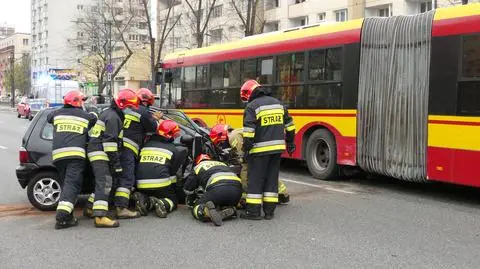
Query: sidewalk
{"points": [[4, 107]]}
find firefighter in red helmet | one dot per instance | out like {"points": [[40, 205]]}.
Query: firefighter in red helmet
{"points": [[159, 162], [104, 151], [70, 135], [222, 187], [266, 128], [224, 137]]}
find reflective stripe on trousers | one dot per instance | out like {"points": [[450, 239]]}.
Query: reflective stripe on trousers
{"points": [[267, 146], [153, 183], [68, 152], [254, 199]]}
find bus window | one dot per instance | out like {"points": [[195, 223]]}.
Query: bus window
{"points": [[291, 96], [249, 69], [176, 85], [334, 64], [228, 98], [198, 99], [324, 96], [231, 75], [216, 77], [202, 79], [189, 77], [290, 68], [265, 71], [325, 65], [471, 57], [469, 98]]}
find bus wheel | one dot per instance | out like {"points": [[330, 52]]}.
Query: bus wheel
{"points": [[321, 155]]}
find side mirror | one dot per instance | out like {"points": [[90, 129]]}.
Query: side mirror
{"points": [[186, 139]]}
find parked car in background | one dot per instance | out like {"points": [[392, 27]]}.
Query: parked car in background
{"points": [[23, 109]]}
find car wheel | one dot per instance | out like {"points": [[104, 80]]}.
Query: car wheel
{"points": [[30, 117], [44, 190], [18, 115], [322, 155]]}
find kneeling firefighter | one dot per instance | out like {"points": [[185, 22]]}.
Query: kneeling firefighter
{"points": [[223, 136], [222, 189], [159, 163]]}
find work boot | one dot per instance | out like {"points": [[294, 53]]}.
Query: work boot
{"points": [[283, 198], [141, 204], [269, 216], [125, 213], [66, 223], [250, 216], [228, 212], [212, 212], [160, 209], [105, 222], [88, 212]]}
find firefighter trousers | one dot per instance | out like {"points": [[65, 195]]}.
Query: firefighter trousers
{"points": [[282, 188], [262, 184], [103, 185], [166, 195], [126, 180], [70, 172], [226, 195]]}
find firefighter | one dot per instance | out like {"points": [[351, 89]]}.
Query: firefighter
{"points": [[71, 125], [225, 137], [157, 168], [223, 190], [137, 123], [104, 155], [266, 127]]}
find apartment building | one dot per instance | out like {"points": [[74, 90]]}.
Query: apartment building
{"points": [[224, 24], [6, 30], [16, 46], [284, 14]]}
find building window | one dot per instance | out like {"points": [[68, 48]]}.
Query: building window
{"points": [[25, 41], [142, 25], [299, 1], [216, 36], [217, 11], [178, 41], [425, 6], [304, 21], [80, 34], [80, 47], [322, 17], [384, 12], [341, 15], [271, 4], [79, 7]]}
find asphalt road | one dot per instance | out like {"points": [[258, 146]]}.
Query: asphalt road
{"points": [[356, 222]]}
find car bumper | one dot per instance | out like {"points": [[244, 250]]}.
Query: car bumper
{"points": [[25, 172]]}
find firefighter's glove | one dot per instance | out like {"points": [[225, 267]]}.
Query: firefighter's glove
{"points": [[291, 148], [157, 115]]}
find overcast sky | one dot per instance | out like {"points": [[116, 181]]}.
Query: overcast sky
{"points": [[16, 12]]}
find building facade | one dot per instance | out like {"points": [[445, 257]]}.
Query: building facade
{"points": [[17, 46], [6, 30]]}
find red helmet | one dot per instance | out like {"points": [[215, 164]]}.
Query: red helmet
{"points": [[74, 98], [219, 133], [202, 157], [168, 129], [247, 89], [127, 98], [146, 96]]}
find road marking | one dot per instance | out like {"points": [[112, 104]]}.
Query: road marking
{"points": [[317, 186], [3, 147]]}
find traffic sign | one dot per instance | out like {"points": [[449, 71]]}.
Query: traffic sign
{"points": [[109, 68]]}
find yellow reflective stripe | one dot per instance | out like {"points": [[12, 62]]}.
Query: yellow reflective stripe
{"points": [[170, 202], [132, 118], [267, 148], [249, 135], [122, 194], [110, 149], [130, 146], [290, 128], [64, 208], [100, 207], [173, 179], [91, 198], [156, 153], [216, 179], [256, 201], [98, 158], [195, 211], [268, 112], [74, 122], [153, 185], [68, 154], [270, 199]]}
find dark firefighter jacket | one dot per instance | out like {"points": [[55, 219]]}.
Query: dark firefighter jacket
{"points": [[210, 174], [136, 124], [266, 125], [158, 164], [70, 128], [106, 136]]}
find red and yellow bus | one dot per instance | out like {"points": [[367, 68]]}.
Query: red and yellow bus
{"points": [[397, 96]]}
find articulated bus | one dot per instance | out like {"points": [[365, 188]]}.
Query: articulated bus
{"points": [[396, 96]]}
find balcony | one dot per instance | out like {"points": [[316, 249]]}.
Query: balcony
{"points": [[297, 9]]}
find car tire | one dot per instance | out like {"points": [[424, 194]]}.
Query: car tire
{"points": [[321, 155], [44, 191], [18, 115], [30, 117]]}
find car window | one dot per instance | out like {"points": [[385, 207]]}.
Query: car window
{"points": [[47, 132]]}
